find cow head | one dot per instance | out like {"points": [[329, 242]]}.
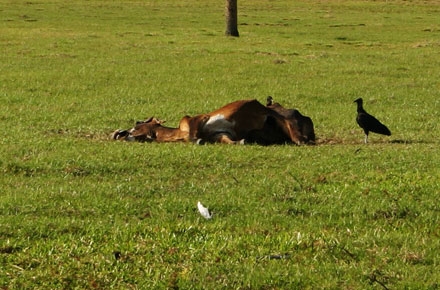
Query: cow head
{"points": [[152, 130], [143, 131]]}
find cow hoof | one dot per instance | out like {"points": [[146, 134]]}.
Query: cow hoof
{"points": [[200, 141]]}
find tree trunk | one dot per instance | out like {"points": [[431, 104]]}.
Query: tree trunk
{"points": [[231, 18]]}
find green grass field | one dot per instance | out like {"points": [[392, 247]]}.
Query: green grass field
{"points": [[80, 211]]}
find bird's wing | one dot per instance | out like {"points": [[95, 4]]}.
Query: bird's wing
{"points": [[370, 123]]}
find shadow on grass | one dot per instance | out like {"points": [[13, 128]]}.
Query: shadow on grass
{"points": [[337, 141], [401, 141]]}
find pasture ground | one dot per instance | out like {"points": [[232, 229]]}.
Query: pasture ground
{"points": [[78, 211]]}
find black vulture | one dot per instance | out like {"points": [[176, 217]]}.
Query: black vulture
{"points": [[369, 123]]}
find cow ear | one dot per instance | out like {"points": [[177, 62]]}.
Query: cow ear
{"points": [[159, 121]]}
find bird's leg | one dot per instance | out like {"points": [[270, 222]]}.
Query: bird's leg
{"points": [[366, 139]]}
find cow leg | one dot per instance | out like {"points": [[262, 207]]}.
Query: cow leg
{"points": [[294, 134], [226, 139], [278, 131], [290, 129]]}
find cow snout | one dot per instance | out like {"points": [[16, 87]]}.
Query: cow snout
{"points": [[118, 134], [122, 135]]}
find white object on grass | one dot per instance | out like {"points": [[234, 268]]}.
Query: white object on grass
{"points": [[203, 211]]}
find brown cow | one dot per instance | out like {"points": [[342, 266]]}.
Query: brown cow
{"points": [[238, 122]]}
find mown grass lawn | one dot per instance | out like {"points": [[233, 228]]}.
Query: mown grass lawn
{"points": [[79, 211]]}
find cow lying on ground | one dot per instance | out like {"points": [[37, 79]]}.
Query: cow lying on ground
{"points": [[246, 121]]}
